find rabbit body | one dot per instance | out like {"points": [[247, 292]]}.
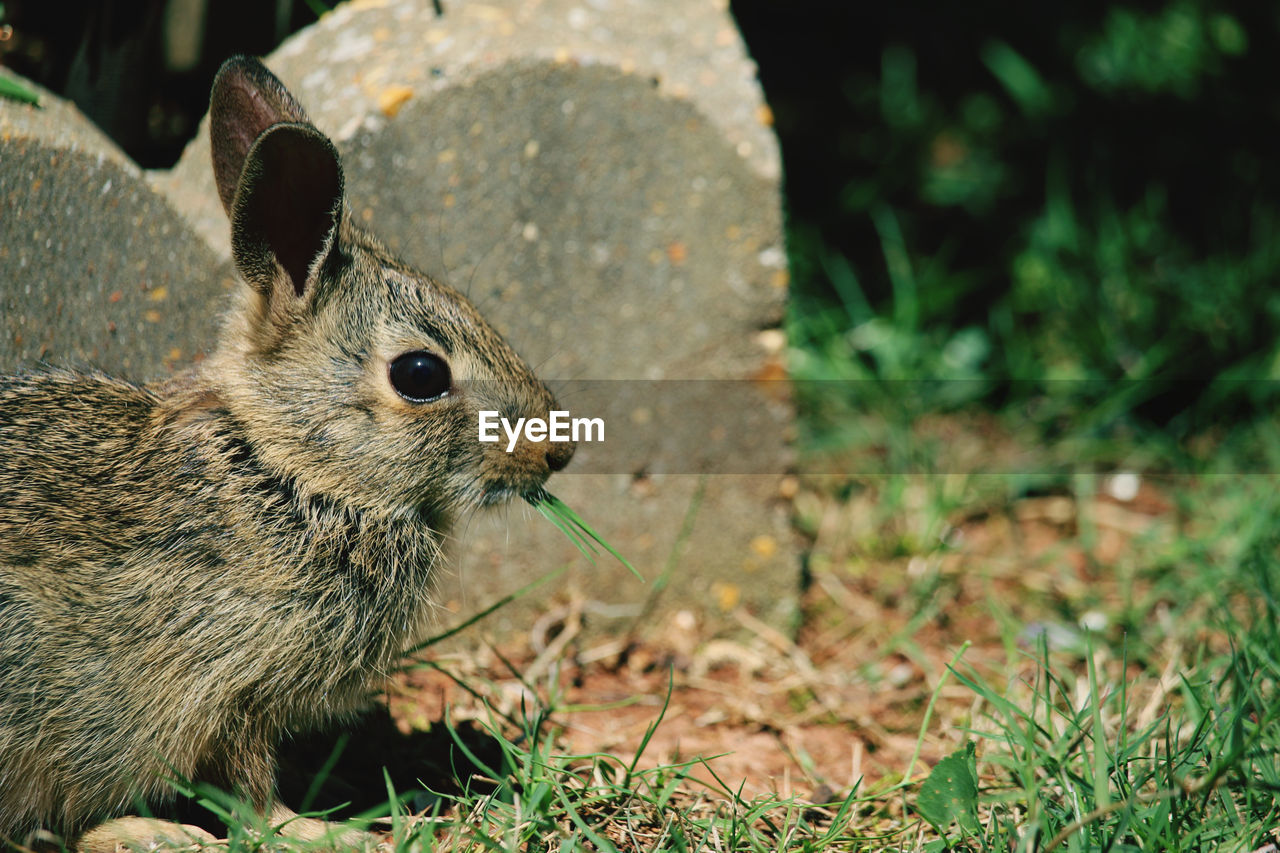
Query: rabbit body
{"points": [[165, 598], [189, 568]]}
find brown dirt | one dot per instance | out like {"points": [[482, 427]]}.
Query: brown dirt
{"points": [[845, 698]]}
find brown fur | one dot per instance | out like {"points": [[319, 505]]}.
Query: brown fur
{"points": [[189, 568]]}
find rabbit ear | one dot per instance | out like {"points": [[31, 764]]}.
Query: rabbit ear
{"points": [[247, 99], [286, 210]]}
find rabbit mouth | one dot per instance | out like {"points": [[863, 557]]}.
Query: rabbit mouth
{"points": [[495, 495], [497, 492]]}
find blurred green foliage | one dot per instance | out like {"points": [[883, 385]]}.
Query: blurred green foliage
{"points": [[1073, 204]]}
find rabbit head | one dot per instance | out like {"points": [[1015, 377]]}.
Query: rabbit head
{"points": [[350, 373]]}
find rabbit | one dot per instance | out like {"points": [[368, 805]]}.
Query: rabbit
{"points": [[190, 568]]}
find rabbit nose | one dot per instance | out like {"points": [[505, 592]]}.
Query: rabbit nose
{"points": [[559, 454]]}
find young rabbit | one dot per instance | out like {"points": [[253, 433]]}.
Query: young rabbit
{"points": [[189, 568]]}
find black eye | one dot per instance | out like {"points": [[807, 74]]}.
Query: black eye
{"points": [[420, 376]]}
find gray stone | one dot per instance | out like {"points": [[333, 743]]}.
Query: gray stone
{"points": [[98, 269], [363, 62]]}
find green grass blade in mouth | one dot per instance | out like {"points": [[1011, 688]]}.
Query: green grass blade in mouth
{"points": [[571, 525], [573, 518], [576, 538]]}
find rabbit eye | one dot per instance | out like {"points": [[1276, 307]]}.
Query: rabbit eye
{"points": [[420, 377]]}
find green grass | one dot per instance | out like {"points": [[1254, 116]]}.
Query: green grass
{"points": [[568, 522], [1052, 775], [1161, 735]]}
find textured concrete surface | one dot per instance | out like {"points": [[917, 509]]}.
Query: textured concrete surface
{"points": [[601, 179], [361, 64], [97, 268]]}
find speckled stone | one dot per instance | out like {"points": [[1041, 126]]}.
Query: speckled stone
{"points": [[364, 62], [600, 177], [98, 269]]}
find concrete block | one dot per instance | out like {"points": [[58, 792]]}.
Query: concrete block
{"points": [[98, 268]]}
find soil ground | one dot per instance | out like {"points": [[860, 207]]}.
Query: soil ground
{"points": [[843, 701]]}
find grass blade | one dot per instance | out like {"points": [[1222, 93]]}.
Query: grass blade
{"points": [[579, 532]]}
